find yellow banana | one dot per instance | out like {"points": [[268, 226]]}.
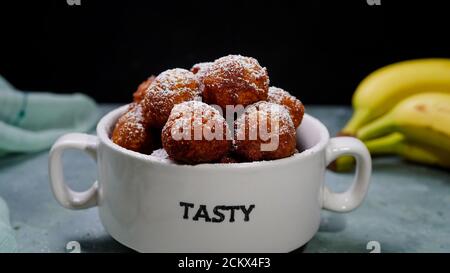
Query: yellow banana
{"points": [[342, 164], [384, 88], [397, 143], [422, 118]]}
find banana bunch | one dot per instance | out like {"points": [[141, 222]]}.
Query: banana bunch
{"points": [[397, 143], [404, 109]]}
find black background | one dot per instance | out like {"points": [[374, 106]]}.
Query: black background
{"points": [[318, 50]]}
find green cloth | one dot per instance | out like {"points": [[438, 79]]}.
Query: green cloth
{"points": [[7, 239], [32, 121]]}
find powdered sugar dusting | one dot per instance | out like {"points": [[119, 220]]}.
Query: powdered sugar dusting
{"points": [[277, 94], [239, 70], [134, 122], [200, 67], [185, 113], [174, 81], [160, 154], [238, 62], [169, 88], [130, 130], [264, 111], [195, 133], [292, 104]]}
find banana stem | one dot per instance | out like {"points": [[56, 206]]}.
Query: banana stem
{"points": [[396, 143], [389, 144], [359, 117], [425, 154], [378, 128]]}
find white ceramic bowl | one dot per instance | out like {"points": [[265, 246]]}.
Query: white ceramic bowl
{"points": [[153, 205]]}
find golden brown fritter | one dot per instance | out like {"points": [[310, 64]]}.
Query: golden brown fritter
{"points": [[167, 108], [131, 131], [264, 132], [234, 80], [196, 133], [139, 94], [292, 104], [168, 89]]}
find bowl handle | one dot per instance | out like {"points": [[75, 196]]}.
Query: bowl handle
{"points": [[67, 197], [352, 198]]}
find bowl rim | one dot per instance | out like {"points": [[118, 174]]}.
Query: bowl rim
{"points": [[112, 116]]}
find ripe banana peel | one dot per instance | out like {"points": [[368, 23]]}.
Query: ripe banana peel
{"points": [[421, 118], [397, 144], [384, 88], [417, 128]]}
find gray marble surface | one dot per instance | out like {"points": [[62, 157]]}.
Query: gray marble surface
{"points": [[407, 208]]}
